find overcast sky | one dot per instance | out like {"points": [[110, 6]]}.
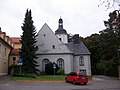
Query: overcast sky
{"points": [[82, 17]]}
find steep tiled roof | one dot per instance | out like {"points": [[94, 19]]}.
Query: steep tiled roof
{"points": [[5, 42], [78, 49], [15, 39]]}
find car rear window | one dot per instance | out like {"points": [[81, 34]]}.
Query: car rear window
{"points": [[82, 74]]}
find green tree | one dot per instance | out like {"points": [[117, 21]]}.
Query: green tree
{"points": [[104, 47], [108, 51], [92, 43], [28, 41], [110, 42], [103, 66]]}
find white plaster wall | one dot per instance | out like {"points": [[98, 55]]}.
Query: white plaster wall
{"points": [[89, 66], [53, 58], [63, 37], [86, 66], [46, 39]]}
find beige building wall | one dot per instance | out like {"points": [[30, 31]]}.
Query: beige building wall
{"points": [[17, 45], [4, 57], [14, 55], [5, 49]]}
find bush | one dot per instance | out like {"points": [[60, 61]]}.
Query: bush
{"points": [[60, 71], [42, 73], [16, 72], [10, 70]]}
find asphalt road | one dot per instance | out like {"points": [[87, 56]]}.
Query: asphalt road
{"points": [[98, 83]]}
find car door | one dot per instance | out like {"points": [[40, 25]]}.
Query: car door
{"points": [[68, 77], [72, 76]]}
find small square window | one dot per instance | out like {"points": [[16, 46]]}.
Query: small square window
{"points": [[14, 59], [53, 46], [0, 49]]}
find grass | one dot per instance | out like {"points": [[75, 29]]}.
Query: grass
{"points": [[45, 78], [89, 77], [42, 78]]}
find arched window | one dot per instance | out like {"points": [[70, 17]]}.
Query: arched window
{"points": [[81, 61], [60, 63], [60, 39], [44, 62]]}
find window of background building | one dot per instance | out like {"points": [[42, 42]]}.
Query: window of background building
{"points": [[5, 56], [5, 51], [0, 49], [14, 59]]}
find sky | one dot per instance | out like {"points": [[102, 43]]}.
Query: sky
{"points": [[82, 17]]}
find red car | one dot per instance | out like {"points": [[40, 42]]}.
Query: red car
{"points": [[77, 78]]}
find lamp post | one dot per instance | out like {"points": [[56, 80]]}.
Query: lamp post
{"points": [[114, 24]]}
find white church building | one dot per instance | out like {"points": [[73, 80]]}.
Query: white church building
{"points": [[54, 47]]}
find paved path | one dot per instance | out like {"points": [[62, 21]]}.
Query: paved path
{"points": [[98, 83]]}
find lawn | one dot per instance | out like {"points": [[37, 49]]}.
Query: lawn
{"points": [[45, 78], [42, 78]]}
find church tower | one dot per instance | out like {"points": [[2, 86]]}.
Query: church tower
{"points": [[61, 33]]}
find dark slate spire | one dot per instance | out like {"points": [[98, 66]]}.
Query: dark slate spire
{"points": [[60, 29], [60, 23]]}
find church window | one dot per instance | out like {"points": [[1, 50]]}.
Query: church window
{"points": [[53, 46], [44, 35], [44, 62], [60, 39], [81, 61], [60, 63]]}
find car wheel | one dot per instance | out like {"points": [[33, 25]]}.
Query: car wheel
{"points": [[85, 83], [74, 82]]}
